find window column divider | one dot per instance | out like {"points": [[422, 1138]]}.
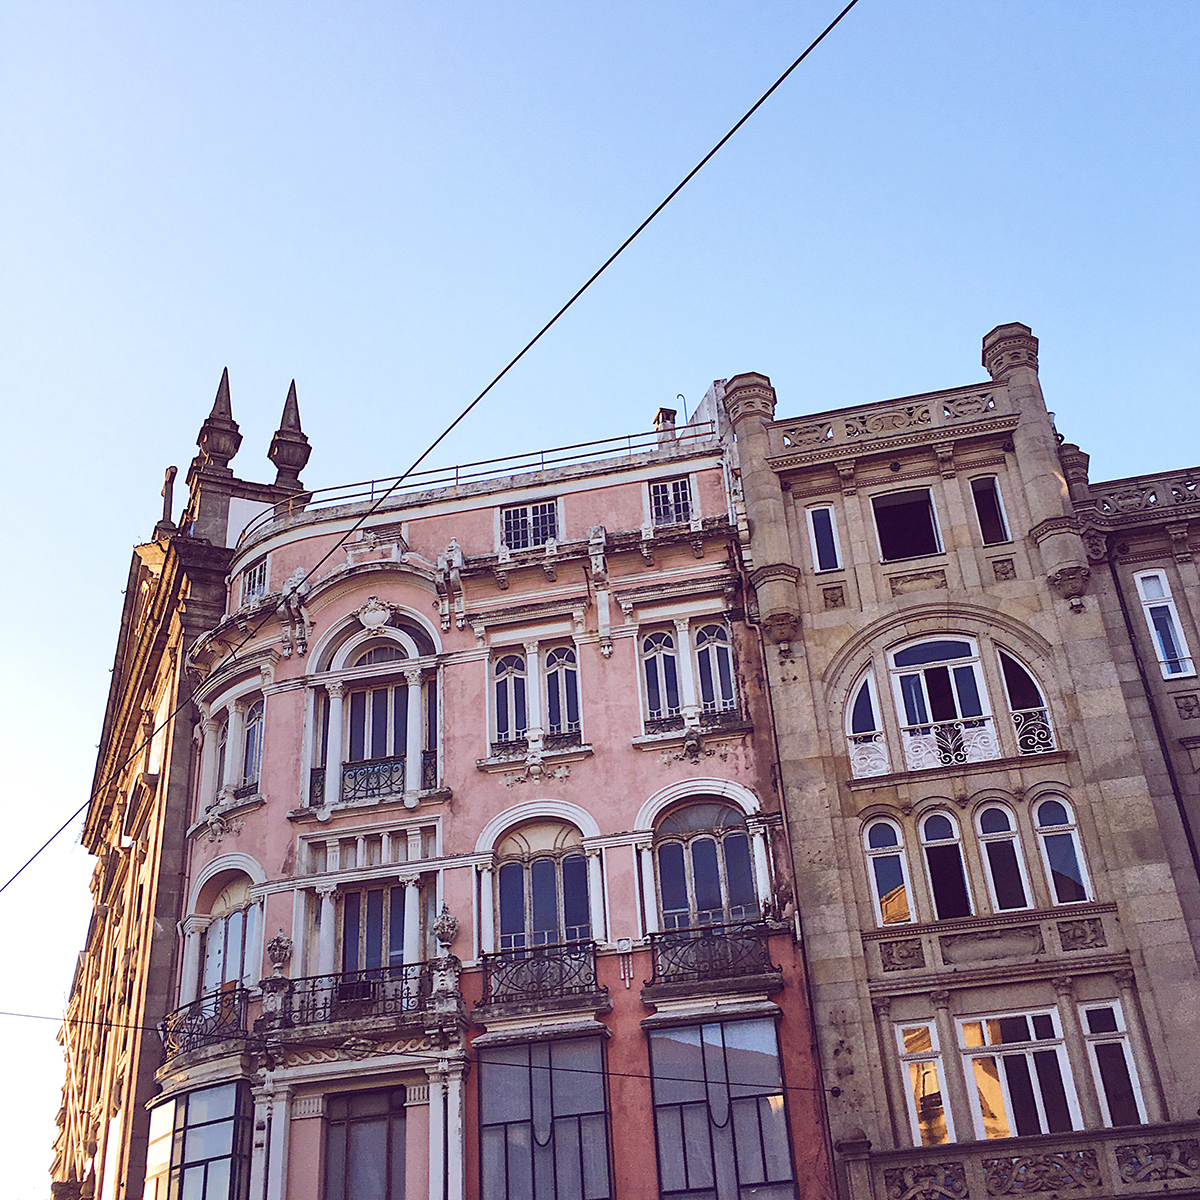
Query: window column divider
{"points": [[327, 940], [1077, 1055], [189, 982], [762, 863], [234, 747], [645, 852], [885, 1031], [335, 690], [437, 1124], [412, 739], [1143, 1059], [487, 911], [596, 894], [455, 1130], [954, 1066], [689, 700], [534, 728], [211, 728]]}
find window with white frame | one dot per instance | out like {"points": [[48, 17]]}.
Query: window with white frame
{"points": [[661, 673], [230, 940], [884, 845], [1002, 859], [542, 887], [944, 865], [906, 524], [528, 526], [1112, 1063], [376, 722], [921, 1061], [989, 511], [1162, 619], [222, 750], [372, 928], [254, 581], [252, 743], [714, 658], [199, 1145], [864, 732], [1061, 853], [671, 501], [1027, 707], [562, 691], [823, 538], [1018, 1076], [508, 680]]}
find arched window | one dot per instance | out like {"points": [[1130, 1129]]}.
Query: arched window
{"points": [[253, 745], [230, 939], [944, 864], [542, 887], [562, 691], [1061, 854], [1002, 858], [889, 875], [868, 750], [715, 660], [705, 872], [222, 750], [662, 676], [385, 652], [508, 674], [942, 704], [1031, 717]]}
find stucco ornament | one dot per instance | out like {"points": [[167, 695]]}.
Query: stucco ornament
{"points": [[374, 614], [279, 951], [445, 929]]}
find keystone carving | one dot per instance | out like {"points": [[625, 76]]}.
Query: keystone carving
{"points": [[374, 614]]}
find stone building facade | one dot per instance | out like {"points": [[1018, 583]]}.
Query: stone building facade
{"points": [[981, 673]]}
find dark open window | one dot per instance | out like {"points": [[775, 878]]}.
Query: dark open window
{"points": [[906, 524], [943, 856], [988, 510]]}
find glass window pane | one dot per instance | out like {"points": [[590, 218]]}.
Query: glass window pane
{"points": [[1054, 1095], [941, 697], [705, 877], [745, 1136], [366, 1168], [335, 1163], [1051, 812], [577, 1077], [915, 712], [862, 720], [938, 828], [379, 722], [1020, 1092], [1101, 1020], [1117, 1084], [697, 1147], [1152, 587], [520, 1162], [350, 931], [707, 697], [932, 652], [670, 682], [572, 689], [575, 898], [1006, 875], [593, 1135], [738, 871], [503, 724], [969, 704], [398, 1156], [1008, 1029], [752, 1057], [1168, 637], [918, 1040], [671, 882], [773, 1119], [374, 956], [216, 1186], [882, 834], [396, 926], [560, 1176], [1065, 873], [822, 522], [889, 887], [520, 723], [927, 1102], [358, 726], [234, 928], [1022, 691], [669, 1128], [512, 898], [208, 1141], [991, 1098], [494, 1178], [1043, 1025], [504, 1084], [544, 895], [995, 820], [950, 896], [987, 508], [193, 1184], [676, 1065], [399, 720]]}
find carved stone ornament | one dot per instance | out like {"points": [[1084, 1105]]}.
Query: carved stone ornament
{"points": [[1069, 582], [1179, 542], [1094, 544], [927, 1181], [374, 614], [902, 955], [445, 928], [921, 581], [279, 951], [1086, 933], [1150, 1162], [986, 945], [1058, 1172], [1188, 706], [835, 597], [1003, 569]]}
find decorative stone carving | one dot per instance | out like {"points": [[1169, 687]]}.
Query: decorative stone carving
{"points": [[927, 1181], [882, 421], [1147, 1162], [1188, 706], [1069, 582], [945, 457], [835, 597], [1060, 1171], [919, 581], [279, 951], [445, 929], [904, 955], [374, 614], [1179, 542], [1003, 569], [845, 470], [1094, 544], [984, 945], [809, 436], [968, 408], [1087, 933]]}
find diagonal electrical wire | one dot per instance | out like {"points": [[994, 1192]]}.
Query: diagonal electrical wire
{"points": [[512, 362]]}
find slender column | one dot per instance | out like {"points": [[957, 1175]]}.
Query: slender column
{"points": [[952, 1062], [208, 762], [233, 748], [412, 918], [892, 1070], [649, 898], [412, 738], [596, 894], [455, 1130], [1085, 1088], [437, 1132], [333, 758], [762, 863], [277, 1161], [689, 700], [258, 1151], [1143, 1059], [327, 942], [189, 982], [533, 692], [487, 911], [299, 934]]}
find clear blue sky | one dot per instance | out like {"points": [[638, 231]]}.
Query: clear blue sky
{"points": [[386, 200]]}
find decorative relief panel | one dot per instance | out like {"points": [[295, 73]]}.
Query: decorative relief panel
{"points": [[1084, 934], [904, 955], [835, 597], [1188, 706], [1058, 1172], [985, 945], [927, 1181], [1148, 1162], [1004, 569], [920, 581]]}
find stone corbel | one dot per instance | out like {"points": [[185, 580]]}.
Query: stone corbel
{"points": [[845, 470], [449, 585], [604, 621], [550, 561], [1179, 542], [647, 545], [698, 547], [501, 578], [1070, 583], [945, 457], [598, 562], [1095, 545]]}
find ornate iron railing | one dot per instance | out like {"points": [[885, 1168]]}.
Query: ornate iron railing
{"points": [[217, 1017], [246, 789], [375, 777], [868, 755], [514, 748], [562, 741], [316, 787], [354, 995], [540, 973], [949, 743], [663, 724], [429, 778], [1034, 734], [713, 952]]}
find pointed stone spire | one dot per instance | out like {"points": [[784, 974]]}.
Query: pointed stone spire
{"points": [[289, 447], [219, 438]]}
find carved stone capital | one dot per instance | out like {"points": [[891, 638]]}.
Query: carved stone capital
{"points": [[327, 891], [335, 689], [1063, 985], [1069, 582], [1178, 534], [940, 998], [1124, 979]]}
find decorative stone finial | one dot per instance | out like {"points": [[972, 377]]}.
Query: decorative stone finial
{"points": [[219, 438], [445, 929], [749, 395], [166, 526], [1007, 348], [279, 951], [289, 447]]}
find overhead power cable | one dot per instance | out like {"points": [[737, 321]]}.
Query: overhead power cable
{"points": [[529, 345]]}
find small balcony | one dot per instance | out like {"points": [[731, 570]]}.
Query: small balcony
{"points": [[373, 778], [1033, 729], [356, 995], [217, 1017], [949, 743], [541, 974], [709, 954]]}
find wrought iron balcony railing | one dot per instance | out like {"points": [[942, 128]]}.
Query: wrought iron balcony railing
{"points": [[868, 755], [540, 973], [709, 953], [217, 1017], [375, 777], [1034, 733], [428, 770], [316, 787], [356, 995], [949, 743]]}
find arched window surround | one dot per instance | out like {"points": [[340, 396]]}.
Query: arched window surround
{"points": [[1061, 851], [542, 893], [888, 877], [1004, 870], [946, 871], [225, 765], [206, 888]]}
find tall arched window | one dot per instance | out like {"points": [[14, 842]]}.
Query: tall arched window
{"points": [[230, 939], [222, 749], [1030, 716], [864, 732], [715, 660], [705, 872], [944, 864], [662, 676], [889, 875], [253, 744], [1061, 852], [562, 691], [1002, 858], [542, 887], [508, 675]]}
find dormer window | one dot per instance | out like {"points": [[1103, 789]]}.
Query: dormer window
{"points": [[528, 526]]}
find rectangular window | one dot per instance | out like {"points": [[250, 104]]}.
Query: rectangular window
{"points": [[1174, 658], [1112, 1064], [254, 581], [529, 525], [992, 525], [372, 929], [205, 1138], [921, 1067], [906, 524], [671, 502], [822, 532], [364, 1146], [719, 1112], [1018, 1075], [544, 1122]]}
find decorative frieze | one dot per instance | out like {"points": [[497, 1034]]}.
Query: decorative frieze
{"points": [[1060, 1171], [927, 1181], [1086, 933], [986, 945], [919, 581], [1151, 1162], [905, 954]]}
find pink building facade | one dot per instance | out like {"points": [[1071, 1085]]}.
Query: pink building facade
{"points": [[487, 890]]}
